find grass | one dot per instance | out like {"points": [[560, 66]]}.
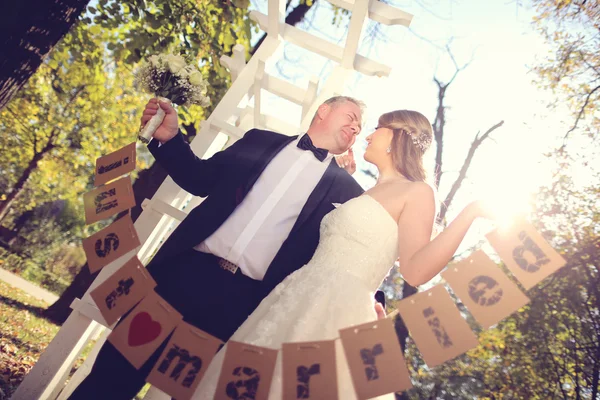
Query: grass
{"points": [[24, 335]]}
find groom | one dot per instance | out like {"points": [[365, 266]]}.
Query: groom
{"points": [[265, 198]]}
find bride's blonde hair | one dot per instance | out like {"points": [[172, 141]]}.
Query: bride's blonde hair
{"points": [[412, 137]]}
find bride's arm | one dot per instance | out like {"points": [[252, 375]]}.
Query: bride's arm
{"points": [[420, 257]]}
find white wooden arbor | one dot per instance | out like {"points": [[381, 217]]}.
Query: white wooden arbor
{"points": [[46, 379]]}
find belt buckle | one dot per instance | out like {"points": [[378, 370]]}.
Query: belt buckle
{"points": [[227, 265]]}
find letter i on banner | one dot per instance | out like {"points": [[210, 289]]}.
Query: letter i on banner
{"points": [[108, 200], [484, 289], [436, 326], [110, 243], [144, 329], [247, 372], [122, 290], [375, 359], [525, 252], [309, 370], [184, 361], [115, 164]]}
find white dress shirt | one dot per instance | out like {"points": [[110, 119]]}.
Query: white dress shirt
{"points": [[254, 232]]}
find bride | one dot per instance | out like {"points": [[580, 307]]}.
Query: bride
{"points": [[359, 241]]}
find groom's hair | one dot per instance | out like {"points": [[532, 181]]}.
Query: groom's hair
{"points": [[337, 100]]}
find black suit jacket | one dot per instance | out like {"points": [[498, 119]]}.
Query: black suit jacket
{"points": [[227, 177]]}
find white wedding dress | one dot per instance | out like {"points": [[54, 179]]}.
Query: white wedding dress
{"points": [[358, 246]]}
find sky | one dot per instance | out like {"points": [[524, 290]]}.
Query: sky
{"points": [[498, 40]]}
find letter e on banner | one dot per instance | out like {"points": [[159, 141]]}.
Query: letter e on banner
{"points": [[436, 326], [184, 361], [525, 252], [484, 289], [108, 200], [247, 372], [375, 359]]}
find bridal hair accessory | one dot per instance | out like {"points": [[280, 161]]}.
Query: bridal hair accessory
{"points": [[170, 78], [422, 141]]}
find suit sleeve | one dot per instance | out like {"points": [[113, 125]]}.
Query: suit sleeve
{"points": [[193, 174]]}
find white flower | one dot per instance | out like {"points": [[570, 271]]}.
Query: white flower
{"points": [[175, 63], [196, 79]]}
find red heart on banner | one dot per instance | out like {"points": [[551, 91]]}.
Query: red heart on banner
{"points": [[143, 329]]}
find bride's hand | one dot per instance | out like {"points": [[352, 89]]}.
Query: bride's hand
{"points": [[347, 162], [483, 209], [380, 311]]}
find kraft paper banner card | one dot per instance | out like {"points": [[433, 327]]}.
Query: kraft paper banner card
{"points": [[184, 361], [484, 289], [309, 370], [123, 290], [108, 200], [436, 326], [115, 164], [105, 246], [247, 372], [144, 329], [525, 252], [375, 359]]}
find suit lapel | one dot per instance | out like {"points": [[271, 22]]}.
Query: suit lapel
{"points": [[262, 160], [318, 194]]}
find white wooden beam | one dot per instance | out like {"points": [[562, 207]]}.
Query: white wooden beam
{"points": [[322, 47], [359, 14], [276, 13], [258, 78], [236, 63], [309, 96], [379, 12]]}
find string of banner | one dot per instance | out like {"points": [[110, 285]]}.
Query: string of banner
{"points": [[372, 350]]}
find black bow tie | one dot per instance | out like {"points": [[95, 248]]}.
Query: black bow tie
{"points": [[306, 144]]}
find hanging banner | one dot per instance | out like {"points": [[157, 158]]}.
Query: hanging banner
{"points": [[484, 289], [184, 361], [122, 290], [110, 243], [247, 372], [309, 370], [108, 200], [436, 326], [144, 329], [375, 359], [525, 252], [115, 164]]}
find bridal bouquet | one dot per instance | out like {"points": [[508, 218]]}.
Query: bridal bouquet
{"points": [[169, 78]]}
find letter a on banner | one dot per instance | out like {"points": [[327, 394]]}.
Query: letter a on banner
{"points": [[525, 252], [247, 372]]}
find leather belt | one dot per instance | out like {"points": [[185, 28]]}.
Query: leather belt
{"points": [[227, 265]]}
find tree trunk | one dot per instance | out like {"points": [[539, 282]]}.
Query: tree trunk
{"points": [[18, 188], [33, 28], [144, 187]]}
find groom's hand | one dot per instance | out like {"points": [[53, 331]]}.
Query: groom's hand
{"points": [[169, 127], [347, 162]]}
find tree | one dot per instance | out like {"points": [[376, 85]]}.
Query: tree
{"points": [[218, 36], [69, 113], [31, 30], [572, 72]]}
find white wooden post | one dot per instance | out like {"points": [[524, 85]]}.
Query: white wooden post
{"points": [[46, 379]]}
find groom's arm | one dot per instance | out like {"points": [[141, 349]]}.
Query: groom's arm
{"points": [[193, 174]]}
